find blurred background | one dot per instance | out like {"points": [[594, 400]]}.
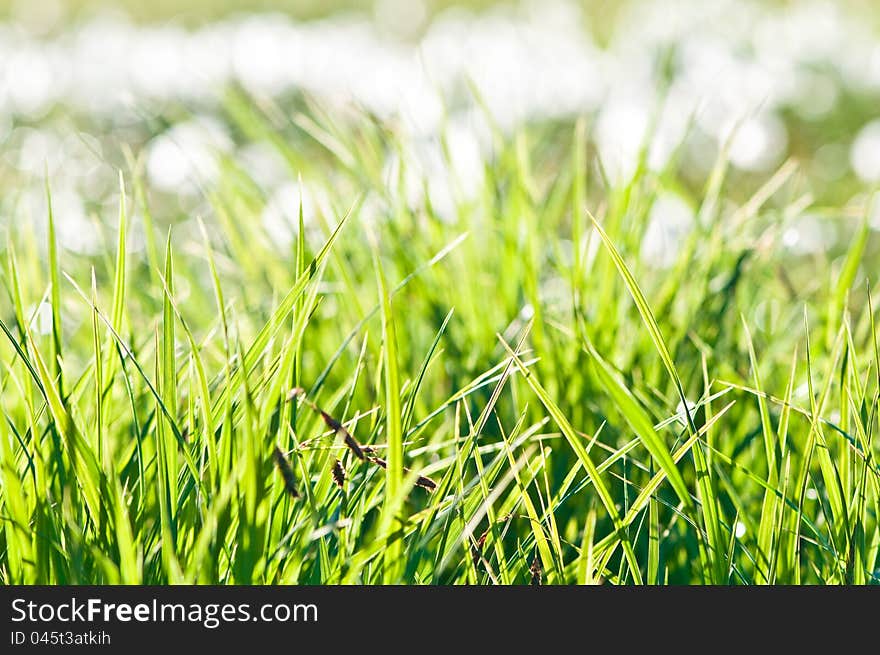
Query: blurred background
{"points": [[84, 82]]}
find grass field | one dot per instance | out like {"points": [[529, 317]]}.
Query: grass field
{"points": [[526, 370]]}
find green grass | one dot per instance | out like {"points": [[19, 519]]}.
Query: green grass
{"points": [[509, 395]]}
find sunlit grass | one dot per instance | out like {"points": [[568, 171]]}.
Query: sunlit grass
{"points": [[506, 393]]}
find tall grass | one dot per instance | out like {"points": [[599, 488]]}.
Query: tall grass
{"points": [[509, 393]]}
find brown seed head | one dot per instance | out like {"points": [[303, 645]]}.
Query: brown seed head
{"points": [[536, 571], [286, 472], [338, 473]]}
